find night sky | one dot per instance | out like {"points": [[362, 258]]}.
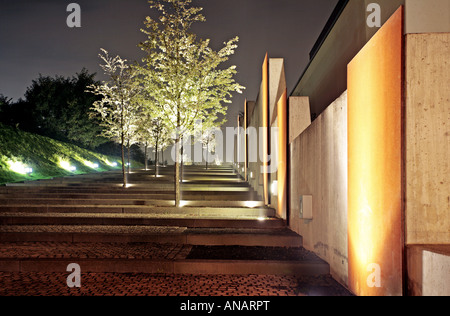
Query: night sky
{"points": [[34, 37]]}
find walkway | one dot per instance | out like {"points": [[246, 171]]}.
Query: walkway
{"points": [[223, 241]]}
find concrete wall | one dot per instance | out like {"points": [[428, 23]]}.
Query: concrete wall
{"points": [[430, 16], [319, 168], [278, 148], [428, 270], [318, 151], [325, 79], [299, 116], [427, 138], [255, 177], [277, 85]]}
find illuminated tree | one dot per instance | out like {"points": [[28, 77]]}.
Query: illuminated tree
{"points": [[118, 108], [152, 132], [182, 77]]}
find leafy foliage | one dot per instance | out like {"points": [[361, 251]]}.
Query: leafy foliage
{"points": [[58, 108], [117, 108], [181, 75], [44, 154]]}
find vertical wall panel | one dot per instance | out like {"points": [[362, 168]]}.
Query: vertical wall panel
{"points": [[375, 163], [282, 154], [428, 138], [318, 167], [265, 125]]}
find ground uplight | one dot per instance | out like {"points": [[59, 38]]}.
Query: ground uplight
{"points": [[19, 167], [67, 166]]}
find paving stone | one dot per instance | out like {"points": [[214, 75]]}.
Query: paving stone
{"points": [[42, 237], [114, 284]]}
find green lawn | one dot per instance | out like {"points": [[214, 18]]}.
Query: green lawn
{"points": [[47, 158]]}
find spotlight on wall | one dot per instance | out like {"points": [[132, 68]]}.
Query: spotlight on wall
{"points": [[274, 188]]}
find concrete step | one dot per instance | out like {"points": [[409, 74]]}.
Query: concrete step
{"points": [[148, 177], [199, 196], [140, 209], [118, 189], [173, 220], [151, 234], [158, 258], [126, 202], [150, 181]]}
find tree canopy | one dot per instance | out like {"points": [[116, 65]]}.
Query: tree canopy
{"points": [[57, 107], [181, 75]]}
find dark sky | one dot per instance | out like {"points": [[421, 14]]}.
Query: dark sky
{"points": [[34, 37]]}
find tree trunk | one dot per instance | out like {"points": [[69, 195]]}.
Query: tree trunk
{"points": [[122, 145], [146, 156], [156, 158], [129, 165], [177, 173], [182, 160], [207, 154], [177, 162]]}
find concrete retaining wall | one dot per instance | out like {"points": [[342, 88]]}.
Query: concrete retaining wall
{"points": [[319, 168]]}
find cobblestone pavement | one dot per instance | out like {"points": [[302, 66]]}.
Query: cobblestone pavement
{"points": [[115, 284], [162, 251], [62, 250], [100, 229]]}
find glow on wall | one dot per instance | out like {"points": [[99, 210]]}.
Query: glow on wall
{"points": [[265, 125], [245, 140], [375, 225], [282, 154]]}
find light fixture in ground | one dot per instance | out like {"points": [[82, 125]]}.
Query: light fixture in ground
{"points": [[251, 204], [111, 164], [184, 203], [91, 164], [67, 166], [274, 188], [19, 167]]}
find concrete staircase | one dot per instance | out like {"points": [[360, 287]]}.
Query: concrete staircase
{"points": [[218, 210]]}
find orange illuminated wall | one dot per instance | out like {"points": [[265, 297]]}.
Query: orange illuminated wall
{"points": [[375, 227], [245, 140], [265, 125], [282, 154]]}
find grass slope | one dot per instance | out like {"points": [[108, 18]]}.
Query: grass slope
{"points": [[46, 157]]}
